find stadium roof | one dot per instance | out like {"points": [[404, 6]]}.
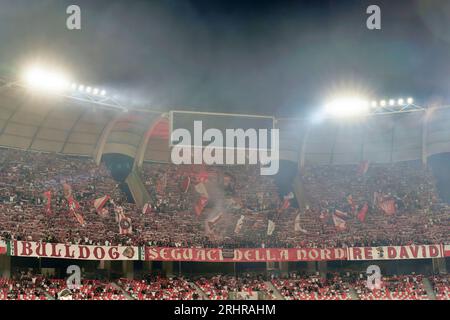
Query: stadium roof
{"points": [[57, 124]]}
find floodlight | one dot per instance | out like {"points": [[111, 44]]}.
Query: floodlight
{"points": [[391, 102], [400, 101], [95, 91], [383, 103], [81, 87], [410, 100], [374, 104], [103, 93], [347, 107], [88, 89], [47, 80]]}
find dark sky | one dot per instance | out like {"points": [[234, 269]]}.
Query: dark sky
{"points": [[265, 57]]}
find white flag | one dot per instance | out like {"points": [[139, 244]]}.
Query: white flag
{"points": [[270, 227], [239, 224], [297, 226]]}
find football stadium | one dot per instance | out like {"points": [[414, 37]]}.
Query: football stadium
{"points": [[111, 193]]}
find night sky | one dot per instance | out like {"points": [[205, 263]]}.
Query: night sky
{"points": [[264, 57]]}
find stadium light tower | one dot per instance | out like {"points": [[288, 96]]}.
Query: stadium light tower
{"points": [[46, 80], [347, 107]]}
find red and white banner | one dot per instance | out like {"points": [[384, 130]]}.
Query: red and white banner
{"points": [[147, 208], [396, 252], [446, 250], [99, 205], [125, 225], [244, 255], [74, 251], [3, 247], [90, 252]]}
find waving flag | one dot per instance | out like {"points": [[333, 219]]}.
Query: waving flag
{"points": [[324, 216], [147, 208], [363, 167], [203, 198], [200, 205], [118, 211], [341, 214], [287, 201], [297, 226], [239, 224], [352, 203], [339, 223], [270, 227], [363, 212], [214, 220], [125, 225], [185, 183], [99, 205], [74, 206], [48, 202]]}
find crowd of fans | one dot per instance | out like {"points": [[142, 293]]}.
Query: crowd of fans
{"points": [[236, 193], [441, 285], [248, 287], [312, 287], [403, 287], [295, 286], [159, 288]]}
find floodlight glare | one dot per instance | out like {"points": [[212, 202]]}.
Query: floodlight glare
{"points": [[45, 80], [374, 104], [81, 88], [400, 102], [391, 102], [347, 107], [88, 89], [410, 100], [74, 86], [383, 103], [95, 91], [103, 93]]}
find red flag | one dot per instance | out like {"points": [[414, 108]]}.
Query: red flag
{"points": [[200, 205], [352, 203], [79, 218], [202, 176], [48, 203], [362, 213], [287, 201], [100, 203], [74, 206]]}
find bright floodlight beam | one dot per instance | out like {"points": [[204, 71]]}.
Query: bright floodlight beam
{"points": [[44, 80], [347, 107]]}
